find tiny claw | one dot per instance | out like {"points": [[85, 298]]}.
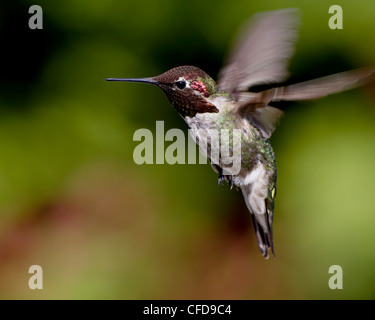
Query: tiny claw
{"points": [[221, 176], [231, 183], [220, 180]]}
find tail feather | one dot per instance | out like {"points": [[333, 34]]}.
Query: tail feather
{"points": [[259, 191], [264, 239]]}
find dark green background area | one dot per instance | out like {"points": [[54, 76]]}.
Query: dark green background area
{"points": [[73, 201]]}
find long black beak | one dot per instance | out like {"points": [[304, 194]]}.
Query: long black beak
{"points": [[143, 80]]}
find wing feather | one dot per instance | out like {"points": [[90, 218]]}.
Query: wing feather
{"points": [[321, 87], [254, 106], [261, 52]]}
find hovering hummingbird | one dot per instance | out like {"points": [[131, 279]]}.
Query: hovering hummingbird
{"points": [[260, 56]]}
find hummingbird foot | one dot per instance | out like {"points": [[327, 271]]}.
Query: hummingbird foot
{"points": [[230, 181], [223, 178]]}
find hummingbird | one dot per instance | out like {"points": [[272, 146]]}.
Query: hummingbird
{"points": [[259, 56]]}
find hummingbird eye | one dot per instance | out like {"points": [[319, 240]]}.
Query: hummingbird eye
{"points": [[180, 84]]}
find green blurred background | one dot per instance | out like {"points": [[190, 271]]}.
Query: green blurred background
{"points": [[73, 201]]}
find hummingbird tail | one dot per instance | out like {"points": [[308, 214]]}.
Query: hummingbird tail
{"points": [[258, 192], [264, 239]]}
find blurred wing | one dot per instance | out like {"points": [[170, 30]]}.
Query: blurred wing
{"points": [[265, 119], [261, 115], [322, 87], [261, 52], [254, 106]]}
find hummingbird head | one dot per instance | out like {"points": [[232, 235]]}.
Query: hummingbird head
{"points": [[187, 88]]}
